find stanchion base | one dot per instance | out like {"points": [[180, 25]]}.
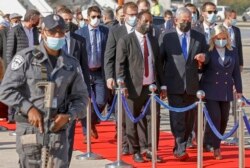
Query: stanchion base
{"points": [[89, 156], [3, 128], [118, 164], [232, 142], [13, 133]]}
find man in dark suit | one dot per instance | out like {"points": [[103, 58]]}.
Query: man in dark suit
{"points": [[169, 21], [182, 51], [19, 37], [75, 45], [4, 28], [108, 18], [209, 19], [139, 65], [130, 12], [234, 32], [96, 38]]}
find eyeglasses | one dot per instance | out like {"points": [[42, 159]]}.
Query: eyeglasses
{"points": [[210, 12], [221, 38], [135, 14], [93, 17]]}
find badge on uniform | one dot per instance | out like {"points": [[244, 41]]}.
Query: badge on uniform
{"points": [[17, 62]]}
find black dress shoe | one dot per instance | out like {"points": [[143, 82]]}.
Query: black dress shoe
{"points": [[182, 157], [94, 133], [217, 154], [208, 148], [125, 150], [149, 157], [137, 157]]}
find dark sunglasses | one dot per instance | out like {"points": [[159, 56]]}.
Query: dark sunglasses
{"points": [[210, 12], [93, 17]]}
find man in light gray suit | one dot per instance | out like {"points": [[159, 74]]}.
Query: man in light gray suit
{"points": [[130, 10], [182, 51]]}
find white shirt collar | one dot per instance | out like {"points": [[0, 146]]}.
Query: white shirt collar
{"points": [[92, 28], [226, 26], [67, 35], [208, 26], [138, 34], [180, 33], [129, 28]]}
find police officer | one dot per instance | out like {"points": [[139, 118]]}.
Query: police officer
{"points": [[19, 89]]}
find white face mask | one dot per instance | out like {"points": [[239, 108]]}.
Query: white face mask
{"points": [[14, 24], [95, 22]]}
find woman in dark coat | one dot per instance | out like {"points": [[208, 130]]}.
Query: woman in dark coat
{"points": [[221, 75]]}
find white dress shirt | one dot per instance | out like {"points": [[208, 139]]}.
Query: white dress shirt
{"points": [[180, 35], [30, 35], [129, 28], [150, 78], [67, 37], [207, 30], [231, 34], [221, 52]]}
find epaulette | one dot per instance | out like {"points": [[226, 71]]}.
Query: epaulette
{"points": [[38, 54]]}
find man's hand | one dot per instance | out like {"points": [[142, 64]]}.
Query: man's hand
{"points": [[35, 118], [111, 83], [163, 94], [124, 92], [60, 121], [238, 95], [200, 59]]}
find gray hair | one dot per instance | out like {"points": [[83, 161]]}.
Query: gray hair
{"points": [[181, 11], [109, 13]]}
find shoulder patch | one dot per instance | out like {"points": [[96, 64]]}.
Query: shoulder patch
{"points": [[17, 62]]}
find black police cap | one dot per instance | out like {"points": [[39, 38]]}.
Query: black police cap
{"points": [[52, 21]]}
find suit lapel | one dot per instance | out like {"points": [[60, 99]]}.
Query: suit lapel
{"points": [[191, 45], [124, 30], [137, 43], [72, 45], [152, 44], [87, 36]]}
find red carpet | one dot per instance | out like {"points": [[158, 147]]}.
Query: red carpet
{"points": [[106, 147]]}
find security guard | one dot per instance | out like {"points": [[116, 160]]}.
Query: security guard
{"points": [[18, 89]]}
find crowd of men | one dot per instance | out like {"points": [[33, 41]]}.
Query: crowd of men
{"points": [[84, 53]]}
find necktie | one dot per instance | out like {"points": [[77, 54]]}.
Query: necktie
{"points": [[184, 46], [146, 57], [94, 48], [65, 47]]}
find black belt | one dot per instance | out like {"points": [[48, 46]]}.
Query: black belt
{"points": [[95, 69]]}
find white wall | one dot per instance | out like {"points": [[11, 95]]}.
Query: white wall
{"points": [[12, 6]]}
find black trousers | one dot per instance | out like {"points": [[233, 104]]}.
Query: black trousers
{"points": [[219, 113], [139, 134], [181, 123]]}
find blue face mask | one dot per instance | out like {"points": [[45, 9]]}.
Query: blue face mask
{"points": [[169, 24], [233, 22], [211, 18], [194, 18], [55, 43], [82, 24], [220, 43], [132, 21]]}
